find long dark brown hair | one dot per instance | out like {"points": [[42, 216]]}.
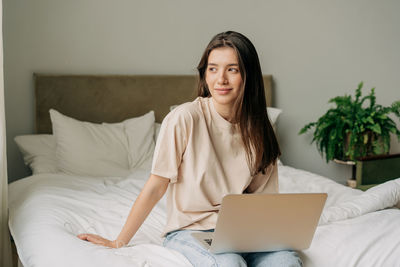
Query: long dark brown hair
{"points": [[261, 146]]}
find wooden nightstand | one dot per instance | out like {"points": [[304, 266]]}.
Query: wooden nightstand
{"points": [[370, 171], [375, 170]]}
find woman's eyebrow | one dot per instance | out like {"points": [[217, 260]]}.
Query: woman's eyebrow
{"points": [[232, 64]]}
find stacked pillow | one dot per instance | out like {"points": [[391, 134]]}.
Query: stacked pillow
{"points": [[273, 114], [90, 149], [39, 152]]}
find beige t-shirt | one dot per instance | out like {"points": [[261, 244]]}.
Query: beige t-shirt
{"points": [[203, 156]]}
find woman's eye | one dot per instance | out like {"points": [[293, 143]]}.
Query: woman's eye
{"points": [[233, 70], [212, 69]]}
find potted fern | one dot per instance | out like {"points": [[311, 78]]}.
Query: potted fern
{"points": [[354, 128]]}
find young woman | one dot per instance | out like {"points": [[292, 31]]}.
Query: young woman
{"points": [[221, 143]]}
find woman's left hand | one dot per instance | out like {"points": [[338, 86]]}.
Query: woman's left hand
{"points": [[98, 240]]}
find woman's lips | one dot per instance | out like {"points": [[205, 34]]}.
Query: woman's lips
{"points": [[223, 91]]}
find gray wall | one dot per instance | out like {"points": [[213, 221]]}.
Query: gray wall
{"points": [[314, 49]]}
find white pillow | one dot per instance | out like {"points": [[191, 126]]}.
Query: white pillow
{"points": [[140, 132], [273, 113], [157, 127], [172, 107], [91, 149], [39, 152]]}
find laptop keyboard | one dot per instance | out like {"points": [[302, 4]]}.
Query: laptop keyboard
{"points": [[208, 241]]}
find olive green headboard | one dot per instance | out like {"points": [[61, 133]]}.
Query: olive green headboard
{"points": [[113, 98]]}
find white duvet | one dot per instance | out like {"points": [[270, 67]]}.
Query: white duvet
{"points": [[47, 211]]}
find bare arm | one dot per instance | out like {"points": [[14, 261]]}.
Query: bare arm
{"points": [[152, 192]]}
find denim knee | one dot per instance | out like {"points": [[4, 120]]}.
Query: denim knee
{"points": [[279, 258], [229, 260], [183, 242]]}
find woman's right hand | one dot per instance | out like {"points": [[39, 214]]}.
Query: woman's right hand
{"points": [[98, 240], [153, 190]]}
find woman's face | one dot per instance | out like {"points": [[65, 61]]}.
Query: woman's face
{"points": [[223, 76]]}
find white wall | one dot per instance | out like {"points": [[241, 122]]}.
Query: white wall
{"points": [[314, 49]]}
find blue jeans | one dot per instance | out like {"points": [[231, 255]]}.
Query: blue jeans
{"points": [[198, 256]]}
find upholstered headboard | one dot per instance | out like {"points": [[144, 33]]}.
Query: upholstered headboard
{"points": [[113, 98]]}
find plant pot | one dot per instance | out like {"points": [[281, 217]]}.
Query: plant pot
{"points": [[369, 144]]}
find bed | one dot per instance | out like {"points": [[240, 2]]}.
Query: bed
{"points": [[73, 191]]}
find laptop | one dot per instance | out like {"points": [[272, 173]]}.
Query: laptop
{"points": [[264, 222]]}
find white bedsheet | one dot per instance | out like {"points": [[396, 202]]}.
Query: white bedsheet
{"points": [[356, 228], [47, 211]]}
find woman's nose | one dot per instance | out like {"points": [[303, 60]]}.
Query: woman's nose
{"points": [[222, 78]]}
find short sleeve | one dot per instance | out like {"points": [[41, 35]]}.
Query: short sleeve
{"points": [[265, 183], [171, 144]]}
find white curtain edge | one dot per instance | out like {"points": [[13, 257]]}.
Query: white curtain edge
{"points": [[5, 245]]}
